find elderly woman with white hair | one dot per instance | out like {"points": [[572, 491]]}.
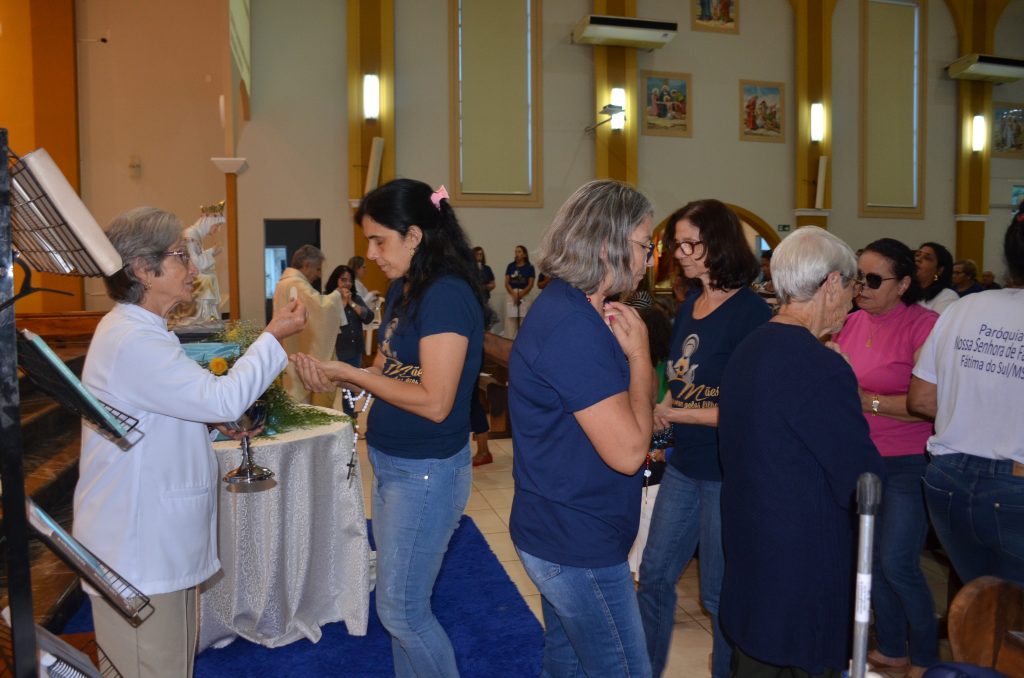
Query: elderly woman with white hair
{"points": [[792, 442], [150, 512]]}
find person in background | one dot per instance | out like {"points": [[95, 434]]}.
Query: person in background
{"points": [[935, 276], [423, 377], [659, 333], [487, 282], [707, 240], [348, 347], [793, 442], [358, 266], [882, 341], [965, 277], [519, 277], [484, 271], [150, 512], [641, 297], [580, 384], [988, 281], [764, 285], [325, 311], [970, 378]]}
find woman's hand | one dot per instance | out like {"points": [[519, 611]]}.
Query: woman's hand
{"points": [[237, 435], [288, 320], [630, 330], [346, 295], [661, 416], [320, 377]]}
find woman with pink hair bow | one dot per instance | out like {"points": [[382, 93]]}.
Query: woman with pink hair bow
{"points": [[430, 346]]}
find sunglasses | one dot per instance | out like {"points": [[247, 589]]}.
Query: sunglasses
{"points": [[871, 280]]}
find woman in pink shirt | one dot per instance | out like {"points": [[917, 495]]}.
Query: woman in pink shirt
{"points": [[881, 341]]}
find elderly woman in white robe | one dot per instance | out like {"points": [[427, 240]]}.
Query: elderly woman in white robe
{"points": [[149, 512]]}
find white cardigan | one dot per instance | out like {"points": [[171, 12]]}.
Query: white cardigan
{"points": [[151, 512]]}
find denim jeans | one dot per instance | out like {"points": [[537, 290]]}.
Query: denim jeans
{"points": [[977, 508], [591, 621], [687, 511], [899, 592], [416, 508]]}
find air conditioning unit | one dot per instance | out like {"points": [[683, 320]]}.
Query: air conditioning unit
{"points": [[596, 29], [986, 67]]}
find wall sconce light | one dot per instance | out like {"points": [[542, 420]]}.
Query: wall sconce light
{"points": [[817, 122], [371, 97], [979, 133], [619, 99]]}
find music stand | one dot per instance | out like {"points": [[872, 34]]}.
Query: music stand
{"points": [[43, 222]]}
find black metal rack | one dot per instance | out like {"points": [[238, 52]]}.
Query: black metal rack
{"points": [[50, 244], [23, 628]]}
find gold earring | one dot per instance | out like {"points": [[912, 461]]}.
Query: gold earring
{"points": [[935, 278]]}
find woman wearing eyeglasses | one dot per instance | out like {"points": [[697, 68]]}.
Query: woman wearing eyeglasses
{"points": [[882, 341], [708, 242], [150, 512], [580, 382]]}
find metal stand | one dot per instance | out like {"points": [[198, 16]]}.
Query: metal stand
{"points": [[19, 584], [869, 497]]}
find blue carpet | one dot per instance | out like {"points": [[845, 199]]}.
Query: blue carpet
{"points": [[494, 633]]}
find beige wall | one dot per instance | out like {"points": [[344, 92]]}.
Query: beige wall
{"points": [[940, 173], [295, 142], [151, 93]]}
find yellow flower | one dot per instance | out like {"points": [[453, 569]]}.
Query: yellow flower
{"points": [[219, 366]]}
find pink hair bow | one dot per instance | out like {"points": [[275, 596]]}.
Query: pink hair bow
{"points": [[437, 196]]}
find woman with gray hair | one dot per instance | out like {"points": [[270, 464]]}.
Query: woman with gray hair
{"points": [[580, 392], [150, 512], [793, 441]]}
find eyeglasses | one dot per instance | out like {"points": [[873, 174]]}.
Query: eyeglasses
{"points": [[648, 249], [181, 254], [871, 280], [687, 247]]}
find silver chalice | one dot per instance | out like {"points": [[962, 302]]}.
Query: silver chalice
{"points": [[251, 420]]}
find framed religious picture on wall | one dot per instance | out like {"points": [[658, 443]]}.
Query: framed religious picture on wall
{"points": [[762, 111], [1007, 130], [665, 99], [719, 16]]}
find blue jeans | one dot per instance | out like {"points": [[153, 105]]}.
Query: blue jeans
{"points": [[416, 508], [899, 592], [977, 508], [591, 621], [687, 511]]}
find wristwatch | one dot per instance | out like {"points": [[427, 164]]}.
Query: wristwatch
{"points": [[875, 404]]}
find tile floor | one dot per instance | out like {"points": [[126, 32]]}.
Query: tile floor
{"points": [[490, 503]]}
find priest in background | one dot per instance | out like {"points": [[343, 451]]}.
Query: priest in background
{"points": [[325, 313]]}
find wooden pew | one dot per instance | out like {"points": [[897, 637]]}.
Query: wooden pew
{"points": [[493, 384], [986, 625], [62, 329]]}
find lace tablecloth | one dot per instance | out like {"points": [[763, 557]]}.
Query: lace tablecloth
{"points": [[294, 549]]}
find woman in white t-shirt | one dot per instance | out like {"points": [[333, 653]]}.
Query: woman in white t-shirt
{"points": [[935, 274], [970, 378]]}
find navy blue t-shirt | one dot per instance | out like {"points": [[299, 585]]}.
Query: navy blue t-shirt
{"points": [[486, 277], [569, 507], [519, 275], [698, 354], [448, 305]]}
